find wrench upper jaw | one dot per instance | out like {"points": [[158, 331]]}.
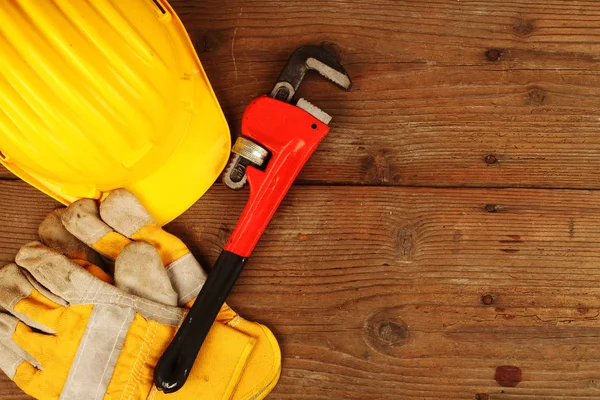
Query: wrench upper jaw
{"points": [[304, 59], [340, 78]]}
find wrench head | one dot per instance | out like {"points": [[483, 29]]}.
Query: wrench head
{"points": [[304, 59]]}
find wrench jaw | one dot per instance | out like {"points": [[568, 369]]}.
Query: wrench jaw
{"points": [[304, 59], [314, 58]]}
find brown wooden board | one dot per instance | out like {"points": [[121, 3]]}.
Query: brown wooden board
{"points": [[10, 391], [379, 293], [429, 102], [5, 174]]}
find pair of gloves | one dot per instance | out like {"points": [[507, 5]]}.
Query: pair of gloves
{"points": [[71, 330]]}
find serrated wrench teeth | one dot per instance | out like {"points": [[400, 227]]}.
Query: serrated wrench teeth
{"points": [[304, 59], [314, 111], [330, 73]]}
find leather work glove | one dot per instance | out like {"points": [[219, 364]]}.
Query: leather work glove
{"points": [[70, 330]]}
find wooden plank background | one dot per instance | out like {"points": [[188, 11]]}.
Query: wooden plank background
{"points": [[446, 229], [422, 81]]}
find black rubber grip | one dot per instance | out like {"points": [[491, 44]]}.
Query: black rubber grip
{"points": [[174, 366]]}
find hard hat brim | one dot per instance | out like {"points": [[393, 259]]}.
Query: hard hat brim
{"points": [[191, 170], [180, 181]]}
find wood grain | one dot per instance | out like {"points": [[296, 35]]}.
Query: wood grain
{"points": [[378, 293], [10, 391], [4, 174], [427, 104]]}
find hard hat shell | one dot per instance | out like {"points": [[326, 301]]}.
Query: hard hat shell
{"points": [[103, 94]]}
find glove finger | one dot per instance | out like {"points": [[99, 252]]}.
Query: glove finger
{"points": [[82, 220], [53, 234], [11, 354], [139, 271], [126, 215], [43, 291], [23, 300], [66, 279]]}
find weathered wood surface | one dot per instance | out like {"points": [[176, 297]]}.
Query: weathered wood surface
{"points": [[428, 104], [10, 391], [378, 293], [422, 81], [4, 174]]}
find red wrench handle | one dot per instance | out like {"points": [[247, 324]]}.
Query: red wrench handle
{"points": [[291, 135]]}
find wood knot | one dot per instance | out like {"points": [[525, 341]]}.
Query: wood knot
{"points": [[535, 96], [482, 396], [508, 375], [206, 41], [378, 168], [493, 54], [491, 208], [490, 159], [581, 309], [523, 27], [488, 299], [405, 243], [385, 332], [390, 333]]}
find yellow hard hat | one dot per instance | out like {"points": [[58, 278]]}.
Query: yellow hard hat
{"points": [[97, 95]]}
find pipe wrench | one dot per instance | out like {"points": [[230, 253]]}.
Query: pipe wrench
{"points": [[278, 137]]}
